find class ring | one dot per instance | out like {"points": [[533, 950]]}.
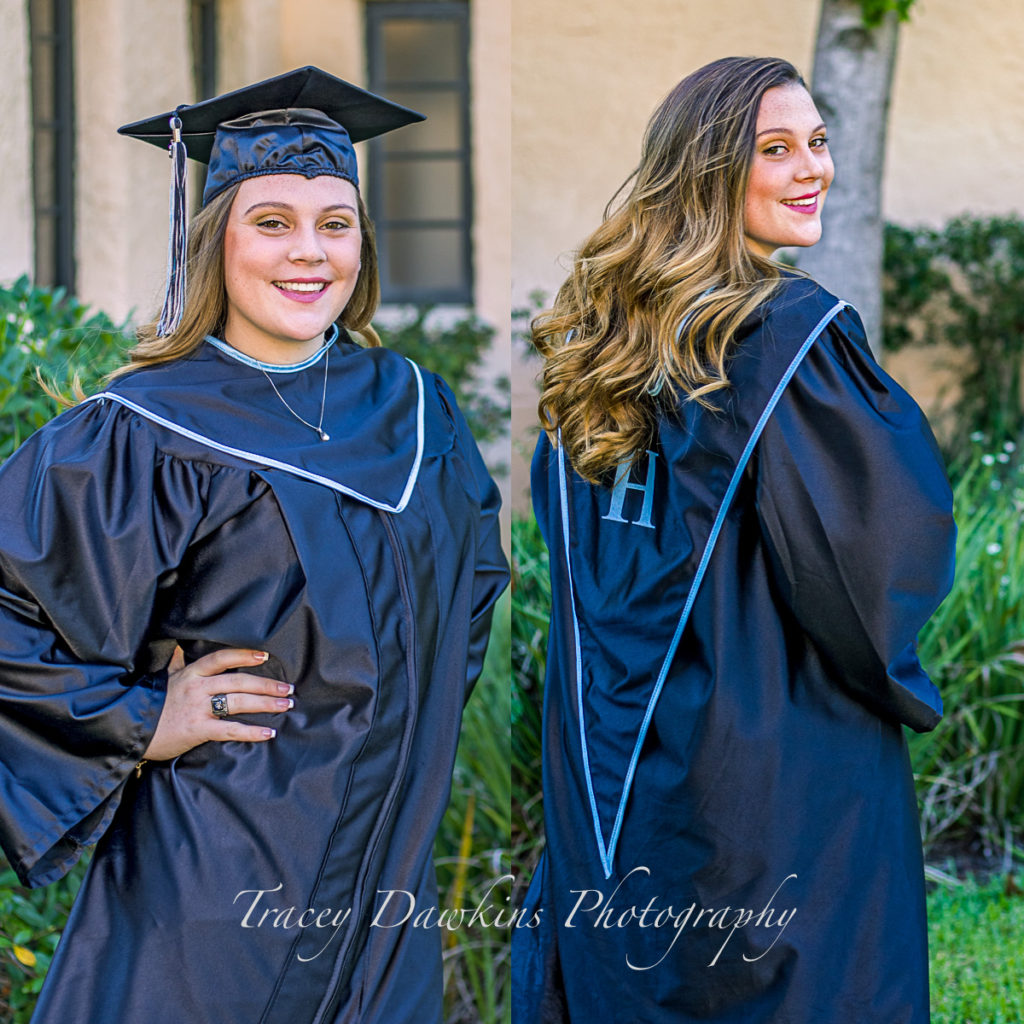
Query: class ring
{"points": [[219, 704]]}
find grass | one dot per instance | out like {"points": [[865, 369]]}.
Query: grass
{"points": [[976, 934]]}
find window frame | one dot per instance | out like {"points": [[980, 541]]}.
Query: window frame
{"points": [[378, 13], [54, 214]]}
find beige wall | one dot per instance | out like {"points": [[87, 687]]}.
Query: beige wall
{"points": [[15, 143], [249, 39], [491, 32], [956, 129], [333, 42], [130, 63], [585, 82]]}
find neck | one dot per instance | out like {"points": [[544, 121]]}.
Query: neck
{"points": [[267, 349]]}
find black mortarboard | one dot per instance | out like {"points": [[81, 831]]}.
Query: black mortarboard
{"points": [[303, 122]]}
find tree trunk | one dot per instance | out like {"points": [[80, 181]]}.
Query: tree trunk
{"points": [[853, 68]]}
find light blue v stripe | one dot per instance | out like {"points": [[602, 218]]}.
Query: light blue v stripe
{"points": [[287, 467], [607, 854], [330, 337], [579, 657]]}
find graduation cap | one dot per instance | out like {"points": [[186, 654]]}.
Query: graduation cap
{"points": [[303, 122]]}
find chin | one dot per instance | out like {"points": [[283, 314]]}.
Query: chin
{"points": [[300, 331], [806, 240]]}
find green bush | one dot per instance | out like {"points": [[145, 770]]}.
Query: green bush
{"points": [[971, 768], [30, 925], [58, 335], [961, 286], [457, 353], [531, 604], [472, 851], [55, 334]]}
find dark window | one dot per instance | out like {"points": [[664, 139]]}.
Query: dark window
{"points": [[419, 187], [204, 77], [204, 48], [53, 142]]}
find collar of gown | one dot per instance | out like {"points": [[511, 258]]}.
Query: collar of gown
{"points": [[222, 399]]}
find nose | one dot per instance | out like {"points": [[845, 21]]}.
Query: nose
{"points": [[814, 165], [307, 246]]}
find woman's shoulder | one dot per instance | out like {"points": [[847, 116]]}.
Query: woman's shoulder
{"points": [[797, 314], [104, 438], [98, 460], [105, 447], [95, 425], [799, 301], [834, 373]]}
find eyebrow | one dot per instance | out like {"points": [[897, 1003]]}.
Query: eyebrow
{"points": [[787, 131], [288, 206]]}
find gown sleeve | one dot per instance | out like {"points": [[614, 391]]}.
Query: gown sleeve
{"points": [[91, 516], [856, 511], [491, 574]]}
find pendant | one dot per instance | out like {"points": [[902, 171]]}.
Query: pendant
{"points": [[324, 436]]}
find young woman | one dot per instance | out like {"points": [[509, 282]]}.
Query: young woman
{"points": [[245, 592], [748, 522]]}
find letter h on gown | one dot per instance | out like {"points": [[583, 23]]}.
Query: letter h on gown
{"points": [[623, 484]]}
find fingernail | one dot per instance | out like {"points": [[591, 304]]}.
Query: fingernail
{"points": [[285, 688], [260, 655], [284, 703], [270, 733]]}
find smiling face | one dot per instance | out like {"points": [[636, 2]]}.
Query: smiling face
{"points": [[790, 172], [291, 261]]}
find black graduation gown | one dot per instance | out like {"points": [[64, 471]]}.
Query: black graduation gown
{"points": [[188, 505], [732, 835]]}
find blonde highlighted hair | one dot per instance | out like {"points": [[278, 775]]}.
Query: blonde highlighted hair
{"points": [[206, 302], [657, 293]]}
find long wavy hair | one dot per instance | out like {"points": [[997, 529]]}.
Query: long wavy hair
{"points": [[658, 291], [206, 300]]}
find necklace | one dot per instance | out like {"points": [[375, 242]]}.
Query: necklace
{"points": [[319, 428]]}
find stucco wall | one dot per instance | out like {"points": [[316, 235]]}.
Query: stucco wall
{"points": [[249, 42], [956, 128], [491, 117], [490, 31], [130, 63], [15, 143], [333, 39]]}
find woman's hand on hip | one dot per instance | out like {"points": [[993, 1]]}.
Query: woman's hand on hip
{"points": [[197, 692]]}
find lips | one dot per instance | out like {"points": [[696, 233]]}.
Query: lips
{"points": [[302, 289], [803, 204]]}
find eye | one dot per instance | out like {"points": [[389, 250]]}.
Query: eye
{"points": [[820, 142], [270, 223], [776, 149], [336, 225]]}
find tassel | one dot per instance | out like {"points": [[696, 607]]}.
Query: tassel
{"points": [[177, 240]]}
